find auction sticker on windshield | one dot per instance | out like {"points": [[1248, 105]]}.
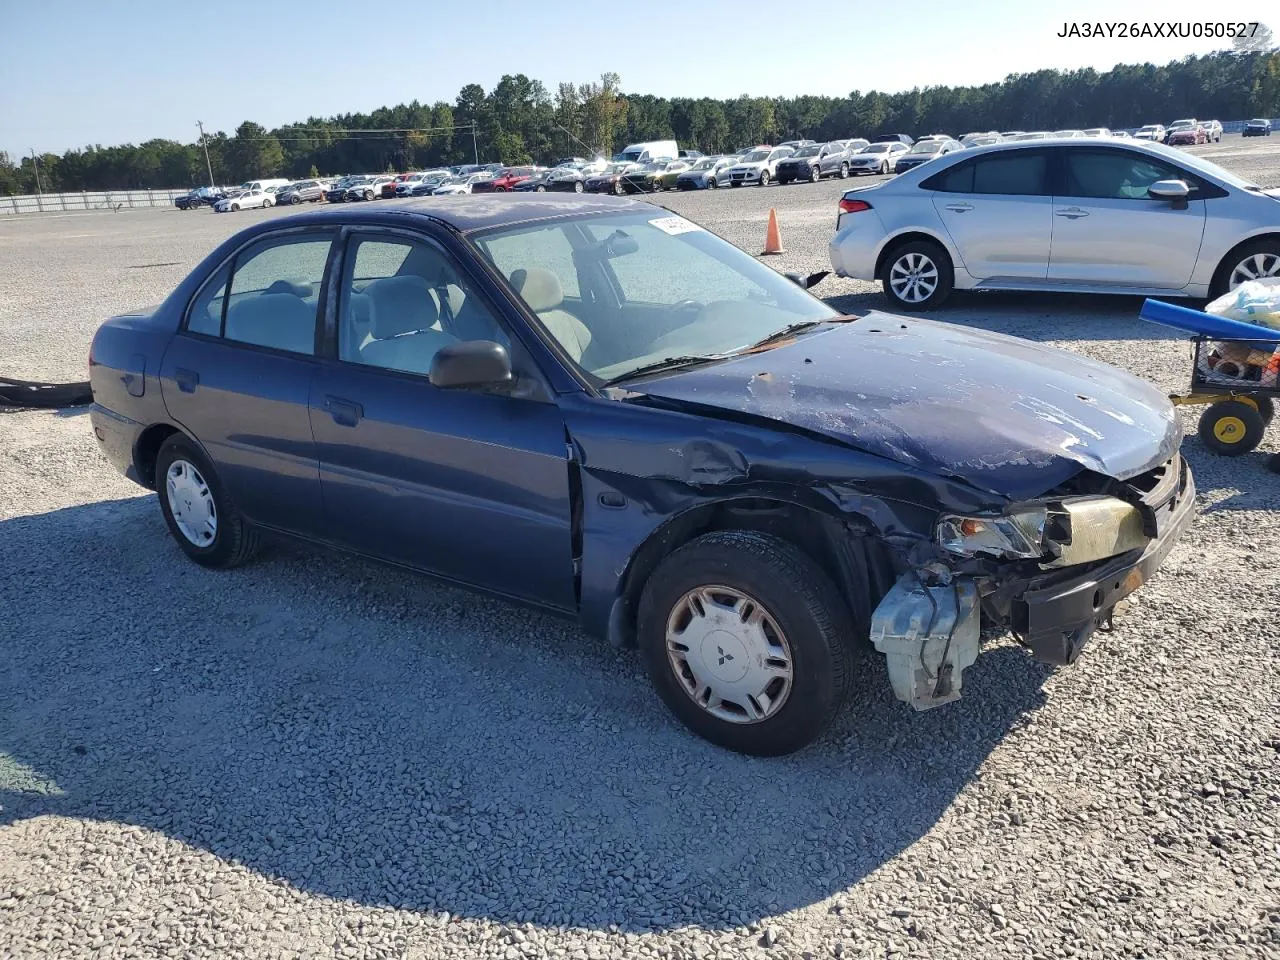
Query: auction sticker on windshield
{"points": [[675, 225]]}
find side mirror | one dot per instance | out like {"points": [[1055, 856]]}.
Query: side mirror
{"points": [[471, 364], [805, 282], [1175, 191]]}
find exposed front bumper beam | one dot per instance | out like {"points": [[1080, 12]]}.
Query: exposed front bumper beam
{"points": [[929, 634], [1056, 619]]}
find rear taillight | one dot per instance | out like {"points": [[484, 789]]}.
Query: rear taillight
{"points": [[853, 206]]}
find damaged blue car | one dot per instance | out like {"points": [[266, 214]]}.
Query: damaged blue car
{"points": [[593, 406]]}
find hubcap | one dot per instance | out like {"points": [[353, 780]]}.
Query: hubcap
{"points": [[1229, 430], [913, 278], [1254, 267], [729, 655], [191, 503]]}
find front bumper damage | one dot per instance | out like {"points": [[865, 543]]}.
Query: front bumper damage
{"points": [[929, 631]]}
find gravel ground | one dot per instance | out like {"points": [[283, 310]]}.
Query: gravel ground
{"points": [[315, 757]]}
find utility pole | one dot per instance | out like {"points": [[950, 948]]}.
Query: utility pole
{"points": [[205, 143], [36, 166], [474, 145]]}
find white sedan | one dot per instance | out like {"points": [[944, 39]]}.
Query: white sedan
{"points": [[456, 185], [245, 201], [877, 158]]}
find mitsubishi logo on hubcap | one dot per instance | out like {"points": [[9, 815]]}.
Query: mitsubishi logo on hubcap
{"points": [[724, 657]]}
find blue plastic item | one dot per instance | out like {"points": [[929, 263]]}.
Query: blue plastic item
{"points": [[1205, 324]]}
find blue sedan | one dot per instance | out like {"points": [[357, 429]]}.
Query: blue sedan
{"points": [[593, 406]]}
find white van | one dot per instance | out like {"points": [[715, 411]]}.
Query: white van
{"points": [[265, 185], [648, 152]]}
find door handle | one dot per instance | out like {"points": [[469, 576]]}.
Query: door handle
{"points": [[959, 207], [346, 413], [1072, 213], [186, 379]]}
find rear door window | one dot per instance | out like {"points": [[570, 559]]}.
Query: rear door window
{"points": [[268, 295], [1015, 173]]}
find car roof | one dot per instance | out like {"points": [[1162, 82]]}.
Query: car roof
{"points": [[483, 210]]}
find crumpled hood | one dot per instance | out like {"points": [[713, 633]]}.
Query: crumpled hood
{"points": [[1006, 415]]}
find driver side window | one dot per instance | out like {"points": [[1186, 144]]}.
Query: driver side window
{"points": [[1115, 175]]}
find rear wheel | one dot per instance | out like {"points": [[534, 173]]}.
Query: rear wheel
{"points": [[199, 514], [577, 186], [844, 171], [918, 276], [747, 641], [1232, 427]]}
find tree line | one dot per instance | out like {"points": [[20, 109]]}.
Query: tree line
{"points": [[521, 121]]}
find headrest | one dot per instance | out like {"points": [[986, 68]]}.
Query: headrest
{"points": [[401, 305], [278, 320], [290, 286], [539, 288]]}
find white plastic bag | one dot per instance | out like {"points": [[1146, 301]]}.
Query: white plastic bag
{"points": [[1254, 301]]}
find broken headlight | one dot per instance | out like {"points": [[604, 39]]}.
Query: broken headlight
{"points": [[1018, 534]]}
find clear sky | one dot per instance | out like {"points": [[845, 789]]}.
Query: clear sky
{"points": [[76, 72]]}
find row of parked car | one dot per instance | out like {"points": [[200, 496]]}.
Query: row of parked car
{"points": [[659, 165]]}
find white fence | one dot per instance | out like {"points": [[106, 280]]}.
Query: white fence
{"points": [[88, 200]]}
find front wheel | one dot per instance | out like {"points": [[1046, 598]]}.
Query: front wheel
{"points": [[815, 174], [577, 186], [844, 171], [268, 202], [764, 178], [198, 512], [235, 208], [295, 200], [1253, 261], [884, 167], [918, 276], [747, 641], [368, 194], [619, 189]]}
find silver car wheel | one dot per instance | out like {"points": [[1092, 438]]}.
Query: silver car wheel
{"points": [[1254, 267], [191, 503], [729, 655], [913, 278]]}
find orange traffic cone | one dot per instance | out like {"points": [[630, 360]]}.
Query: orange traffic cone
{"points": [[772, 236]]}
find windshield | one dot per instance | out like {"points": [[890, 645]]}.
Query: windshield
{"points": [[927, 146], [1258, 120], [756, 156], [1151, 126], [673, 289], [705, 164], [453, 181], [877, 148], [807, 151], [1180, 124]]}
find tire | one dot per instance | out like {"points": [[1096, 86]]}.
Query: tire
{"points": [[619, 189], [764, 178], [268, 202], [712, 185], [368, 194], [578, 187], [884, 168], [815, 174], [924, 260], [844, 171], [233, 541], [539, 189], [1255, 259], [1231, 428], [806, 619], [1266, 408], [235, 208], [295, 200]]}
